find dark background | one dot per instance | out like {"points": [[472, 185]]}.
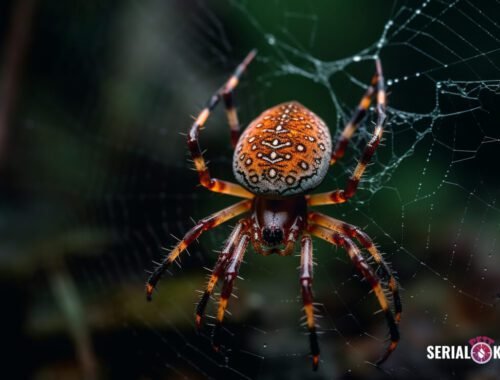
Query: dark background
{"points": [[94, 180]]}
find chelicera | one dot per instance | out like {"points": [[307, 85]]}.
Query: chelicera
{"points": [[280, 157]]}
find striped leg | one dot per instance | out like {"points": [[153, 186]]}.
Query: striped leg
{"points": [[353, 124], [367, 272], [228, 96], [203, 225], [306, 277], [354, 232], [227, 287], [214, 184], [218, 271], [340, 196]]}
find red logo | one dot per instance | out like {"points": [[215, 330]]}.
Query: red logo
{"points": [[481, 351]]}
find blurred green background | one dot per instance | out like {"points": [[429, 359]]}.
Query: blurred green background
{"points": [[95, 181]]}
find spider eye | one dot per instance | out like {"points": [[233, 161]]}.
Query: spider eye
{"points": [[272, 235]]}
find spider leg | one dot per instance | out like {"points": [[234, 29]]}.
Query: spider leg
{"points": [[352, 125], [232, 269], [203, 225], [367, 272], [306, 277], [219, 268], [356, 233], [228, 97], [214, 184], [341, 195]]}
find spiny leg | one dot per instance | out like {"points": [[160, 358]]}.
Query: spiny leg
{"points": [[306, 277], [353, 124], [341, 195], [214, 184], [203, 225], [225, 255], [367, 272], [228, 96], [356, 233], [227, 287]]}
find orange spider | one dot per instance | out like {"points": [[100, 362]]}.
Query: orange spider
{"points": [[282, 155]]}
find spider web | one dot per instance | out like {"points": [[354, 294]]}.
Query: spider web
{"points": [[429, 199]]}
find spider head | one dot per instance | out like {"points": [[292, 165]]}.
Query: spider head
{"points": [[275, 222], [272, 235]]}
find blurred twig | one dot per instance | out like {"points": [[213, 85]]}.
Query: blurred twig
{"points": [[18, 37], [67, 297]]}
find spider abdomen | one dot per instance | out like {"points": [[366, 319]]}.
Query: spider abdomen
{"points": [[284, 151]]}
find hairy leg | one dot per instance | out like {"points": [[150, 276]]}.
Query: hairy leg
{"points": [[219, 268], [352, 125], [203, 225], [366, 271], [206, 180], [228, 96], [306, 277], [230, 275], [356, 233], [341, 195]]}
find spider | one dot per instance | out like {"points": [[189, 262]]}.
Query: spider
{"points": [[281, 156]]}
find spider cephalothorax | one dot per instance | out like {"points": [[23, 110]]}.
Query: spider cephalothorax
{"points": [[276, 223], [281, 156]]}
